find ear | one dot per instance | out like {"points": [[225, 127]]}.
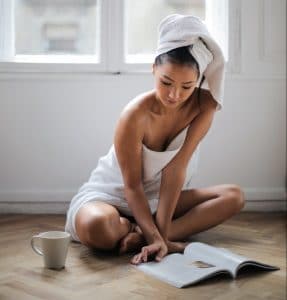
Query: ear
{"points": [[153, 68]]}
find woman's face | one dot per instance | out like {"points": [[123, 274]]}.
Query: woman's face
{"points": [[174, 83]]}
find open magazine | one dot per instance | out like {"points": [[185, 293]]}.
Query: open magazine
{"points": [[198, 262]]}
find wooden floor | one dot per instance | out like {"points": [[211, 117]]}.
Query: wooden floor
{"points": [[93, 275]]}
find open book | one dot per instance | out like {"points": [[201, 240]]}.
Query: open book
{"points": [[198, 262]]}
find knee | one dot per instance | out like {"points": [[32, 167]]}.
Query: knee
{"points": [[100, 233], [235, 197]]}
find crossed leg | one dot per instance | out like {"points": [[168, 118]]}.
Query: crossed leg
{"points": [[100, 225], [200, 209]]}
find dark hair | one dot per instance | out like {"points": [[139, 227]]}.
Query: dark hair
{"points": [[181, 56]]}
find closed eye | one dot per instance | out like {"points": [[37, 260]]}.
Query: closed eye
{"points": [[165, 83], [168, 84]]}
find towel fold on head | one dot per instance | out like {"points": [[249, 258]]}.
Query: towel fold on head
{"points": [[177, 31]]}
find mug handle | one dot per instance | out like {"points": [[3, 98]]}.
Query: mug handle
{"points": [[37, 250]]}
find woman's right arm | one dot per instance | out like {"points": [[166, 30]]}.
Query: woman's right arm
{"points": [[128, 147]]}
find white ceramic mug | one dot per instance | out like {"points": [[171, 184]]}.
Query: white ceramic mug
{"points": [[53, 247]]}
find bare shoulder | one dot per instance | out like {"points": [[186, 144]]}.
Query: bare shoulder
{"points": [[133, 117], [207, 102], [139, 105]]}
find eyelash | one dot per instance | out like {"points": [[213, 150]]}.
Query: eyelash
{"points": [[166, 83]]}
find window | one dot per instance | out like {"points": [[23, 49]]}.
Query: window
{"points": [[96, 35], [140, 39], [56, 27]]}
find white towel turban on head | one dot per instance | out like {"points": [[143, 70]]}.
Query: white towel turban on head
{"points": [[178, 31]]}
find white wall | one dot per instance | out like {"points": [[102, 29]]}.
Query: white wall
{"points": [[54, 127]]}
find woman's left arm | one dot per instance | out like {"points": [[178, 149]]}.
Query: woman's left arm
{"points": [[173, 175]]}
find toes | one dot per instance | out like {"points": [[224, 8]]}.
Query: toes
{"points": [[137, 229], [123, 246], [133, 227]]}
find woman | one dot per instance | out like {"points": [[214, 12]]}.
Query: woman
{"points": [[139, 196]]}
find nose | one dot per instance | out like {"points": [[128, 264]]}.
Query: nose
{"points": [[174, 94]]}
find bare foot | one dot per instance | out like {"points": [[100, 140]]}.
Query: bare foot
{"points": [[133, 241], [176, 246]]}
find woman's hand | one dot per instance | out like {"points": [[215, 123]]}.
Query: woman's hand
{"points": [[158, 249]]}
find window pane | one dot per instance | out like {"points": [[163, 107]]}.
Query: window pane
{"points": [[142, 19], [52, 27]]}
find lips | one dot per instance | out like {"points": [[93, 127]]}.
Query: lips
{"points": [[171, 101]]}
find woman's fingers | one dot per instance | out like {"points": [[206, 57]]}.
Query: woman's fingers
{"points": [[145, 254], [150, 250], [146, 251], [140, 257], [161, 254], [136, 259]]}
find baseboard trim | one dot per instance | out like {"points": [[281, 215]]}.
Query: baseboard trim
{"points": [[34, 208], [265, 205], [57, 202]]}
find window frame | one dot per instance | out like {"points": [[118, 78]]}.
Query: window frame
{"points": [[113, 61]]}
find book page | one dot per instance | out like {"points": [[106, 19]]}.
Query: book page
{"points": [[199, 261], [179, 270], [219, 257]]}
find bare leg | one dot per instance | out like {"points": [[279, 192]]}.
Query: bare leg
{"points": [[100, 225], [201, 209]]}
